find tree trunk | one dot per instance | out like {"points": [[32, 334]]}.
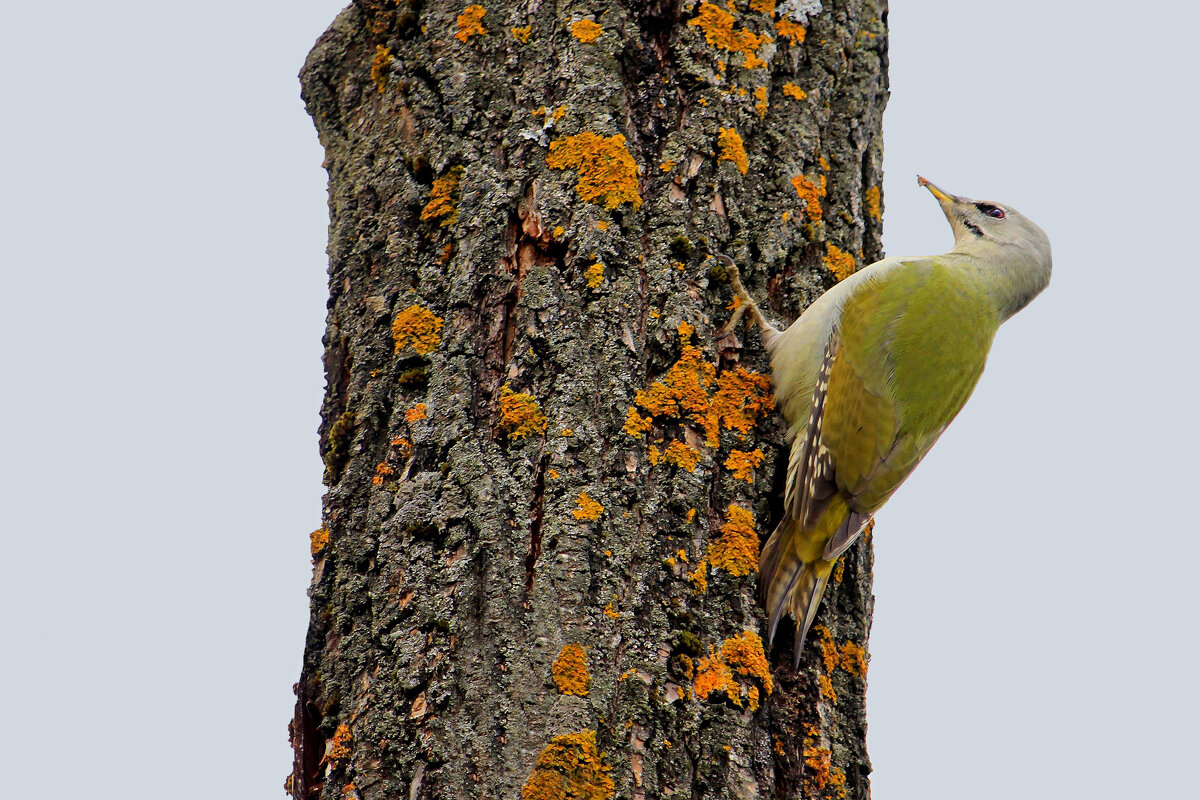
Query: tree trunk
{"points": [[548, 479]]}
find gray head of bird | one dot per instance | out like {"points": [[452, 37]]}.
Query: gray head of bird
{"points": [[999, 235]]}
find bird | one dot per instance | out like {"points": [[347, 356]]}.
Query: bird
{"points": [[871, 374]]}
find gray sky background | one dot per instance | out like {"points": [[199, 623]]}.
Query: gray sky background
{"points": [[162, 237]]}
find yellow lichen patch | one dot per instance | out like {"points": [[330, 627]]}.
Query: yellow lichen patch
{"points": [[792, 90], [741, 395], [570, 671], [379, 67], [594, 275], [470, 23], [683, 391], [682, 455], [520, 414], [441, 205], [403, 446], [817, 759], [714, 675], [318, 540], [790, 30], [339, 745], [744, 463], [829, 651], [588, 509], [601, 225], [570, 768], [873, 205], [611, 612], [607, 172], [811, 193], [717, 25], [586, 30], [736, 550], [824, 162], [741, 655], [839, 570], [417, 413], [382, 470], [690, 516], [667, 166], [839, 262], [763, 6], [522, 34], [417, 327], [826, 687], [558, 231], [730, 148], [699, 578], [636, 425], [760, 94], [552, 474], [655, 455], [853, 659]]}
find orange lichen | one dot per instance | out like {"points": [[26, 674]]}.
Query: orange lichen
{"points": [[714, 675], [570, 671], [741, 655], [601, 225], [318, 540], [558, 231], [682, 455], [382, 470], [690, 516], [417, 413], [790, 30], [829, 651], [741, 395], [760, 94], [588, 509], [520, 414], [873, 204], [839, 262], [731, 149], [817, 759], [744, 463], [417, 327], [826, 687], [717, 25], [736, 550], [763, 6], [522, 34], [607, 172], [470, 23], [379, 67], [611, 612], [853, 659], [403, 446], [811, 193], [667, 166], [792, 90], [683, 391], [636, 425], [570, 768], [567, 432], [552, 474], [586, 30], [655, 455], [594, 275], [839, 570], [699, 578], [339, 746], [441, 203]]}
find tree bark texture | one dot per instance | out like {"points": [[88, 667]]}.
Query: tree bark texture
{"points": [[548, 478]]}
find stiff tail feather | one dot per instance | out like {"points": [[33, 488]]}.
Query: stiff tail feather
{"points": [[790, 584]]}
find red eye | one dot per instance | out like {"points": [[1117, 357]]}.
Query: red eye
{"points": [[998, 213]]}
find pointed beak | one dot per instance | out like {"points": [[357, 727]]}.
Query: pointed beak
{"points": [[943, 198]]}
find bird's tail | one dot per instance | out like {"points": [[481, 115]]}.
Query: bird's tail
{"points": [[791, 584]]}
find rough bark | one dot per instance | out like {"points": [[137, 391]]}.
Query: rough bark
{"points": [[456, 568]]}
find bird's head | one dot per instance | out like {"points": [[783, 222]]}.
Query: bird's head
{"points": [[978, 224]]}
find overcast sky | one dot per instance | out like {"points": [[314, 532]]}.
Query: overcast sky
{"points": [[162, 241]]}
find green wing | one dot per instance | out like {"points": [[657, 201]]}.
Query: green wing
{"points": [[911, 345]]}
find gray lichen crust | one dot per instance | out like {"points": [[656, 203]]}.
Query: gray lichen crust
{"points": [[527, 440]]}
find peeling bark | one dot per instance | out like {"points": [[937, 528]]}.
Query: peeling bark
{"points": [[461, 554]]}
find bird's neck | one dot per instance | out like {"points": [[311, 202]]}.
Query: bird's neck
{"points": [[1010, 275]]}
